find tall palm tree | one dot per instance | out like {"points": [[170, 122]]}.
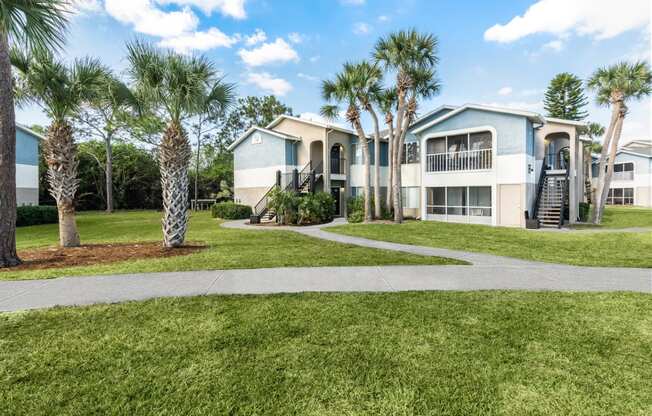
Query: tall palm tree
{"points": [[345, 89], [172, 85], [214, 103], [32, 24], [615, 86], [409, 54], [60, 90], [386, 100]]}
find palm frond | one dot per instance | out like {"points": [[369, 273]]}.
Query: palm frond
{"points": [[330, 112], [34, 24]]}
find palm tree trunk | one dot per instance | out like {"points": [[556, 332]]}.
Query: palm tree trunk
{"points": [[175, 153], [61, 157], [396, 178], [366, 174], [390, 157], [610, 168], [377, 203], [8, 255], [398, 216], [603, 161], [109, 173]]}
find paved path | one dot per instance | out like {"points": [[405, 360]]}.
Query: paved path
{"points": [[487, 272]]}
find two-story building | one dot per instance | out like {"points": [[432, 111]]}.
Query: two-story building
{"points": [[27, 143], [631, 183], [473, 163]]}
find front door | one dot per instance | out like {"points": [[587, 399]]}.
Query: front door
{"points": [[335, 192]]}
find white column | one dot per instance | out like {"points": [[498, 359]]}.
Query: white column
{"points": [[572, 180]]}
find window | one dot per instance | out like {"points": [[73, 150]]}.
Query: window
{"points": [[620, 196], [623, 171], [410, 153], [470, 151], [459, 200]]}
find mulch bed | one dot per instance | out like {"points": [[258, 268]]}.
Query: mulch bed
{"points": [[90, 254]]}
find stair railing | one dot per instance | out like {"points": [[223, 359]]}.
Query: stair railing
{"points": [[542, 179], [261, 206], [564, 197]]}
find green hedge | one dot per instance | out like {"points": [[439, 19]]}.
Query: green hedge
{"points": [[35, 215], [230, 211], [584, 211]]}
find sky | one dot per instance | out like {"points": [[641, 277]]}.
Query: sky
{"points": [[500, 53]]}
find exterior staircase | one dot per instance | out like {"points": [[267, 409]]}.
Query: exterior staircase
{"points": [[552, 200], [302, 181]]}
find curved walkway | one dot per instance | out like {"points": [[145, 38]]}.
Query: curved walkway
{"points": [[487, 272]]}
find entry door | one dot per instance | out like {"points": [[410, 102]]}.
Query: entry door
{"points": [[510, 210], [335, 192]]}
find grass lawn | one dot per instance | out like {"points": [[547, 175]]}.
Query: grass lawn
{"points": [[439, 353], [623, 217], [227, 249], [576, 248]]}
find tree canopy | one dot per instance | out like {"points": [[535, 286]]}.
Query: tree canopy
{"points": [[565, 98]]}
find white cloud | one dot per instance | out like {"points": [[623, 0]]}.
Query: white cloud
{"points": [[232, 8], [320, 119], [555, 45], [307, 77], [505, 91], [277, 51], [361, 28], [314, 59], [267, 83], [201, 41], [257, 37], [84, 6], [601, 19], [383, 18], [148, 19], [295, 37], [352, 2]]}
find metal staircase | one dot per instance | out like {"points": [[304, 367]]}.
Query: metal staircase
{"points": [[552, 199], [302, 181]]}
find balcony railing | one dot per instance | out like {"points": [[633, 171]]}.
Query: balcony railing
{"points": [[456, 161], [627, 175]]}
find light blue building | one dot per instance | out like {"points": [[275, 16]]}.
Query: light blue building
{"points": [[27, 147], [470, 163]]}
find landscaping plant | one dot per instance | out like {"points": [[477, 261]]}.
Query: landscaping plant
{"points": [[36, 215], [229, 210]]}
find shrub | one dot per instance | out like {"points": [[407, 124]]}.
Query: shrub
{"points": [[316, 208], [229, 210], [285, 204], [35, 215], [584, 211], [355, 209]]}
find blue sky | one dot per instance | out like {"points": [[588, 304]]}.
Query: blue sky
{"points": [[492, 52]]}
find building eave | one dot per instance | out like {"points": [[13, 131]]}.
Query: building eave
{"points": [[264, 130]]}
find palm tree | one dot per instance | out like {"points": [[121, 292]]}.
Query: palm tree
{"points": [[386, 100], [36, 24], [213, 104], [410, 54], [615, 86], [174, 86], [345, 89], [60, 90], [103, 117]]}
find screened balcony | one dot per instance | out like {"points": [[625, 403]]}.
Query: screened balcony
{"points": [[462, 152]]}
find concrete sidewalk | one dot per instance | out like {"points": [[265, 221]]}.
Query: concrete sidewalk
{"points": [[32, 294]]}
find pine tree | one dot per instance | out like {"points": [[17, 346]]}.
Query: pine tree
{"points": [[565, 98]]}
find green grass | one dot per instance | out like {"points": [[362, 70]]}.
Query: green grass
{"points": [[576, 248], [439, 353], [624, 217], [227, 248]]}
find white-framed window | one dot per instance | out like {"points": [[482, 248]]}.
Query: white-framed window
{"points": [[620, 196], [411, 153], [469, 151], [459, 200]]}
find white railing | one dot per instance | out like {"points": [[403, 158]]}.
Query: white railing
{"points": [[455, 161], [459, 210], [627, 175]]}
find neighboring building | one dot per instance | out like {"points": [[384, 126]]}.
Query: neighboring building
{"points": [[631, 183], [27, 144], [480, 165]]}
